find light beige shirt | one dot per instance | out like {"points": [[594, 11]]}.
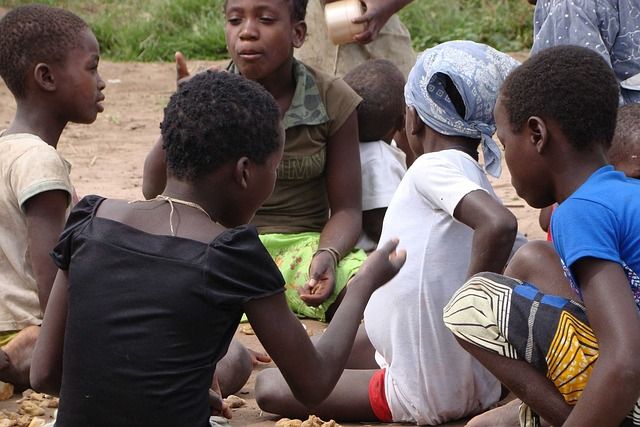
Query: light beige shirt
{"points": [[28, 166], [393, 43]]}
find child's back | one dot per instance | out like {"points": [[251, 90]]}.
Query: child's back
{"points": [[429, 378]]}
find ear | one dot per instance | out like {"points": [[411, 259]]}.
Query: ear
{"points": [[414, 123], [241, 173], [44, 78], [538, 133], [299, 33]]}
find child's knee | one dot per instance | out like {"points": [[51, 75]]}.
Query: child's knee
{"points": [[271, 390]]}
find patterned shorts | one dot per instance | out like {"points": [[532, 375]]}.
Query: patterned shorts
{"points": [[514, 319]]}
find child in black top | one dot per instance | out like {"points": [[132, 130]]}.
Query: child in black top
{"points": [[149, 294]]}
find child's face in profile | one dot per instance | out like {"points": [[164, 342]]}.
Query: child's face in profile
{"points": [[78, 81], [528, 175], [260, 35]]}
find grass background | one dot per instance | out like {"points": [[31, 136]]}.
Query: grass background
{"points": [[152, 30]]}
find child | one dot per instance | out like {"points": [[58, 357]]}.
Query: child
{"points": [[452, 225], [556, 116], [320, 170], [49, 61], [624, 153], [380, 115], [141, 350]]}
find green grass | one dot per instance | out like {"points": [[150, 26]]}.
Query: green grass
{"points": [[152, 30]]}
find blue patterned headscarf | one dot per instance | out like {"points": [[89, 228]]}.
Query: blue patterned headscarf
{"points": [[477, 71]]}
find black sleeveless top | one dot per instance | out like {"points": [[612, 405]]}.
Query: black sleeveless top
{"points": [[149, 317]]}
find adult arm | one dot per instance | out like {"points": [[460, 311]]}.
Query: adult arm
{"points": [[494, 231], [614, 385], [45, 217], [312, 371], [46, 364], [344, 189], [154, 172], [376, 16]]}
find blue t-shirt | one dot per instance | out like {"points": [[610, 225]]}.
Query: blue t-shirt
{"points": [[601, 219]]}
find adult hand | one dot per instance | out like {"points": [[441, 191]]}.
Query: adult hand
{"points": [[322, 280], [377, 14]]}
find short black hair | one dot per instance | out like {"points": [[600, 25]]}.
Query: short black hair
{"points": [[32, 34], [627, 134], [298, 9], [380, 84], [217, 117], [570, 85]]}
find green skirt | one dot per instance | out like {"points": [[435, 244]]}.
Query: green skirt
{"points": [[292, 254]]}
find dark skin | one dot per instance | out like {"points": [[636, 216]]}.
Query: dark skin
{"points": [[252, 30], [494, 233], [44, 111], [377, 14], [244, 184], [541, 150]]}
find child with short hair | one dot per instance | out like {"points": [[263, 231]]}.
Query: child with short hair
{"points": [[141, 350], [452, 225], [568, 352], [624, 153], [380, 115], [49, 61], [313, 219]]}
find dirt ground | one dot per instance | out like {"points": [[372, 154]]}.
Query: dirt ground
{"points": [[107, 159]]}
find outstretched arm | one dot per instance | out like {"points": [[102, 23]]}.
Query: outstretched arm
{"points": [[45, 215], [46, 365], [614, 385], [344, 188], [312, 371], [494, 231]]}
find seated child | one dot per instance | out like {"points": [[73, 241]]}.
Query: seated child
{"points": [[624, 154], [141, 350], [49, 61], [525, 265], [567, 348], [380, 114], [312, 220], [452, 225]]}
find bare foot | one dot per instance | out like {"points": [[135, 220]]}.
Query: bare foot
{"points": [[502, 416]]}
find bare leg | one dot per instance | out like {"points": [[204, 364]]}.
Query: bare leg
{"points": [[526, 383], [16, 358], [538, 263], [234, 368], [349, 400]]}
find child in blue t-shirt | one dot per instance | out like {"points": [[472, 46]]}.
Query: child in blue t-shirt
{"points": [[569, 353]]}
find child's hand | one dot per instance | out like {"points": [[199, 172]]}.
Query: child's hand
{"points": [[322, 280], [216, 403], [182, 71], [384, 263]]}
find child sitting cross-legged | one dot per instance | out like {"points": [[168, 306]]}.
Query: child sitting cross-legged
{"points": [[566, 348], [149, 293], [452, 226], [380, 115]]}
